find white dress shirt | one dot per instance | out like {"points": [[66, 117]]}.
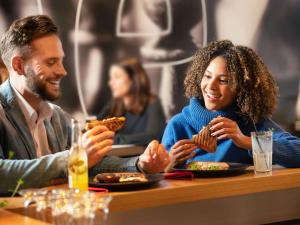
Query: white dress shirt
{"points": [[35, 121]]}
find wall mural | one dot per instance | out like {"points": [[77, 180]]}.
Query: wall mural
{"points": [[164, 34]]}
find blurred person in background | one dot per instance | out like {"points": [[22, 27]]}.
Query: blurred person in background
{"points": [[132, 98]]}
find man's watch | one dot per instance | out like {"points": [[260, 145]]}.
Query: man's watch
{"points": [[139, 168]]}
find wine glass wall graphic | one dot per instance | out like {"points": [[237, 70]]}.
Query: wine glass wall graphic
{"points": [[161, 47], [171, 44], [40, 6], [94, 49], [121, 33], [166, 41]]}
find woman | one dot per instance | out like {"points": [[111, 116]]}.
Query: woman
{"points": [[133, 99], [231, 89]]}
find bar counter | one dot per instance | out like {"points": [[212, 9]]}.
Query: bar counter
{"points": [[246, 198]]}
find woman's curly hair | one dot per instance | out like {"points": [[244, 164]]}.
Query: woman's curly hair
{"points": [[256, 89]]}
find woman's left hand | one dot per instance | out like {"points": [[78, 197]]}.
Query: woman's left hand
{"points": [[224, 128]]}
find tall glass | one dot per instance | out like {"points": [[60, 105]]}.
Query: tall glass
{"points": [[262, 150]]}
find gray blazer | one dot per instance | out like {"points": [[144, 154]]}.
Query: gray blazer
{"points": [[15, 136]]}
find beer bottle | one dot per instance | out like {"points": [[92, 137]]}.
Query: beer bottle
{"points": [[77, 163]]}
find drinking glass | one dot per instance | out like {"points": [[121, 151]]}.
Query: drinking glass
{"points": [[262, 150], [68, 206]]}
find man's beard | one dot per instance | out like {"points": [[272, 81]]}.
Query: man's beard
{"points": [[39, 87]]}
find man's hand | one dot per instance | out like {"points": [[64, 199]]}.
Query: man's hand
{"points": [[97, 142], [154, 159]]}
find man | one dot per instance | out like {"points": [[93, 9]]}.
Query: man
{"points": [[36, 131]]}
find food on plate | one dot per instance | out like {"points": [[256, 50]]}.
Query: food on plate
{"points": [[204, 140], [113, 123], [198, 165], [120, 177]]}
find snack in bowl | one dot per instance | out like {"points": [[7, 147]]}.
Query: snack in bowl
{"points": [[205, 140], [120, 177], [198, 165], [113, 123]]}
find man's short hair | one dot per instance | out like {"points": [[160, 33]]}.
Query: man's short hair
{"points": [[22, 32]]}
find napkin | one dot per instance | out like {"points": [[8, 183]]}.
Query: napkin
{"points": [[179, 175], [98, 189]]}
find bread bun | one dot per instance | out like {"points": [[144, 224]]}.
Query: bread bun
{"points": [[113, 123], [198, 165], [205, 140], [120, 177]]}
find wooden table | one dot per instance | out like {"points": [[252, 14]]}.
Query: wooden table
{"points": [[242, 199]]}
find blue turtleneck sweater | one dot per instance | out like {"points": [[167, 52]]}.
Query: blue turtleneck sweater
{"points": [[286, 148]]}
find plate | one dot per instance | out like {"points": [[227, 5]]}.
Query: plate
{"points": [[234, 168], [126, 150], [152, 180], [122, 146]]}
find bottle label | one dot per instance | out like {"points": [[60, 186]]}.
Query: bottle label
{"points": [[70, 181]]}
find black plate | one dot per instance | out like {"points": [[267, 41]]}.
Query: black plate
{"points": [[234, 168], [152, 180]]}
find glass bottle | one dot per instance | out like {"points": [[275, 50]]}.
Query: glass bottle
{"points": [[77, 163]]}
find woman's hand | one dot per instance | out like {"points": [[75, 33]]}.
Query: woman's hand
{"points": [[182, 151], [224, 128]]}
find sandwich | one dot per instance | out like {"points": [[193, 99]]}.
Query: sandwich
{"points": [[205, 140], [120, 177], [113, 123], [198, 165]]}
